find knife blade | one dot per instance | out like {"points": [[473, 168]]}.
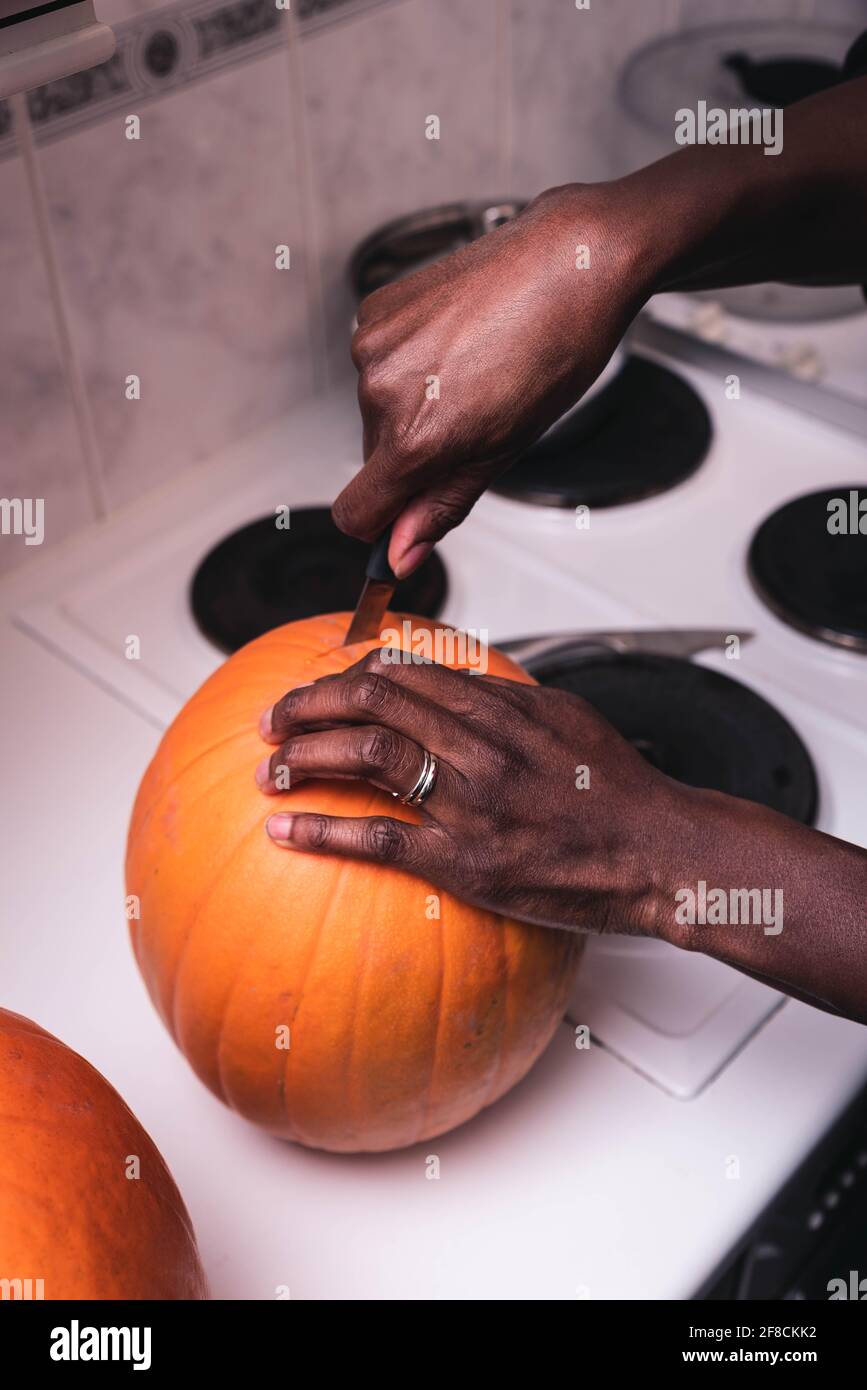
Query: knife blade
{"points": [[680, 642], [379, 586]]}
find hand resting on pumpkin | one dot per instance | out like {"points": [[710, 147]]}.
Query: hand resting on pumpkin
{"points": [[543, 812], [505, 826]]}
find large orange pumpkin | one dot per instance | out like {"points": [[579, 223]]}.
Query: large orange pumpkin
{"points": [[73, 1213], [344, 1005]]}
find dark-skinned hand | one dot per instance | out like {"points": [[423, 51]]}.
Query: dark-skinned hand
{"points": [[466, 362], [505, 826]]}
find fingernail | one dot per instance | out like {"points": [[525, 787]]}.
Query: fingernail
{"points": [[263, 774], [279, 827], [412, 558], [265, 729]]}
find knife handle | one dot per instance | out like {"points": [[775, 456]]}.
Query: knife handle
{"points": [[378, 567]]}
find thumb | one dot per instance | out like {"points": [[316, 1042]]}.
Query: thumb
{"points": [[431, 514]]}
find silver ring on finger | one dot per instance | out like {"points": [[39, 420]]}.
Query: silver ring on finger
{"points": [[424, 785]]}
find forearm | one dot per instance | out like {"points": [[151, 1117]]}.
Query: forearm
{"points": [[803, 894], [713, 215]]}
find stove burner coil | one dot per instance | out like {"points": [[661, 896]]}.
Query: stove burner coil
{"points": [[813, 578], [259, 577], [643, 433]]}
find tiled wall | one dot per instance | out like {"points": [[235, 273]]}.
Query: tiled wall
{"points": [[259, 129]]}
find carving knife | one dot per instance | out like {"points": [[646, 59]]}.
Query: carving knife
{"points": [[376, 595]]}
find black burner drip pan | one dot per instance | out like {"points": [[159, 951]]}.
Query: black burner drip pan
{"points": [[813, 578], [645, 432], [695, 725], [261, 576]]}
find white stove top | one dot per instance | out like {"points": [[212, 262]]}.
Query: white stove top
{"points": [[673, 1023]]}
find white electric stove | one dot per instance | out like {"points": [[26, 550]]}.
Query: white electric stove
{"points": [[601, 1177]]}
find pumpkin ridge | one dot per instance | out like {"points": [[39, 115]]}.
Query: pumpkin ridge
{"points": [[374, 794], [196, 917], [226, 1006], [371, 808], [435, 1051], [182, 772], [135, 926], [324, 921], [224, 777], [351, 1093], [507, 1012]]}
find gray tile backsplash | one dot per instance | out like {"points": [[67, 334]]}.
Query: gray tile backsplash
{"points": [[369, 90], [306, 129], [167, 246], [567, 124], [40, 454]]}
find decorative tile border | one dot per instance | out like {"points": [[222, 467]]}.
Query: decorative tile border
{"points": [[165, 49]]}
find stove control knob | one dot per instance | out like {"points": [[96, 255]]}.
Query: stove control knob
{"points": [[709, 321], [801, 360]]}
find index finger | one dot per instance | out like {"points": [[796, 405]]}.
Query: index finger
{"points": [[370, 692], [377, 493]]}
